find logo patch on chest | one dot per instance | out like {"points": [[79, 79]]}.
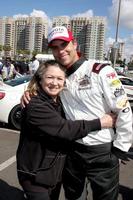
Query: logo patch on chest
{"points": [[84, 83]]}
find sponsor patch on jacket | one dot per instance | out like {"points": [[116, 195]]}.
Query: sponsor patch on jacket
{"points": [[119, 91], [84, 83], [115, 83], [126, 110], [98, 66], [112, 75], [122, 103]]}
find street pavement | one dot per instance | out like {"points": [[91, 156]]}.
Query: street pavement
{"points": [[11, 190]]}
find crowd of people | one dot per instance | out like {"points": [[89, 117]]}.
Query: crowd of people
{"points": [[56, 147], [10, 69]]}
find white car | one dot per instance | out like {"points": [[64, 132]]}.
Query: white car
{"points": [[10, 94], [128, 85]]}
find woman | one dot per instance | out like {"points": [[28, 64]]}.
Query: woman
{"points": [[46, 136]]}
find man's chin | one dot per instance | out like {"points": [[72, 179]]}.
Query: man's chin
{"points": [[64, 62]]}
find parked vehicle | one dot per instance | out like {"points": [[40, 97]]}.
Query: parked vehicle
{"points": [[10, 94], [128, 85]]}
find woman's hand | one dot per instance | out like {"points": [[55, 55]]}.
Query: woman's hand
{"points": [[108, 120]]}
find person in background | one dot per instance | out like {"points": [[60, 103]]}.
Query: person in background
{"points": [[92, 89], [33, 65], [1, 66], [21, 66], [8, 70], [46, 136]]}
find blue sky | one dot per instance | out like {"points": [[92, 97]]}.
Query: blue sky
{"points": [[107, 8], [61, 7]]}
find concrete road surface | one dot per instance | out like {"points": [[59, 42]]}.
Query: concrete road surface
{"points": [[10, 188]]}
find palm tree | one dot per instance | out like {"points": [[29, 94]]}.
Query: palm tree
{"points": [[1, 48], [7, 50]]}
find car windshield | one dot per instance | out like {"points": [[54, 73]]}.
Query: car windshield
{"points": [[126, 81], [18, 81]]}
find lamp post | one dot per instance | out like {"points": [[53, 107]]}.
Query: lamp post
{"points": [[116, 45]]}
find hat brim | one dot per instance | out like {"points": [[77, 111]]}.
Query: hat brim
{"points": [[60, 38]]}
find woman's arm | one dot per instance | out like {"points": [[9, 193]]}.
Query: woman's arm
{"points": [[42, 116]]}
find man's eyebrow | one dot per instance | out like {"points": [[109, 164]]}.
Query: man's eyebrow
{"points": [[63, 43]]}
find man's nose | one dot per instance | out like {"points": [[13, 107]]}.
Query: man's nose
{"points": [[61, 49]]}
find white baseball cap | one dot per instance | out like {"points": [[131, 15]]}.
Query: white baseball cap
{"points": [[59, 33]]}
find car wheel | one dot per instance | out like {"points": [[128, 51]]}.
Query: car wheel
{"points": [[15, 117]]}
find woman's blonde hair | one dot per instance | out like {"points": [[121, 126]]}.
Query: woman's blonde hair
{"points": [[34, 84]]}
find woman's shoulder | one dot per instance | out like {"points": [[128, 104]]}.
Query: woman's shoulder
{"points": [[40, 101], [35, 99], [35, 105], [38, 107]]}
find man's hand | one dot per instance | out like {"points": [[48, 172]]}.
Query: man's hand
{"points": [[25, 99]]}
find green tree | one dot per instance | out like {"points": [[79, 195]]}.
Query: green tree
{"points": [[6, 49], [1, 48], [35, 52]]}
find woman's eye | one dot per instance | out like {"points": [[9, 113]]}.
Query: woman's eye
{"points": [[49, 77], [60, 79]]}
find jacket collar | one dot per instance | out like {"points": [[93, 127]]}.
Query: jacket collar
{"points": [[44, 96], [75, 66]]}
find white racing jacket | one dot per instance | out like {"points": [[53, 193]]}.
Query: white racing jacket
{"points": [[93, 90]]}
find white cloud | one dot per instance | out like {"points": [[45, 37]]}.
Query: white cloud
{"points": [[38, 13], [126, 22], [126, 10], [88, 13], [109, 41], [35, 13], [129, 46], [19, 16]]}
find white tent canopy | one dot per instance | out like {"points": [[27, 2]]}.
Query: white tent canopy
{"points": [[44, 57]]}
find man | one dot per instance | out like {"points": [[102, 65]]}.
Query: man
{"points": [[92, 89], [34, 65], [8, 70]]}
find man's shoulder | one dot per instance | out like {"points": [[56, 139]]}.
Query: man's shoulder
{"points": [[12, 66], [98, 66], [36, 61], [95, 66]]}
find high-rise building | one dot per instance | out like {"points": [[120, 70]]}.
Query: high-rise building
{"points": [[90, 34], [23, 33], [121, 50], [30, 34], [7, 35], [116, 51], [20, 33], [61, 21]]}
